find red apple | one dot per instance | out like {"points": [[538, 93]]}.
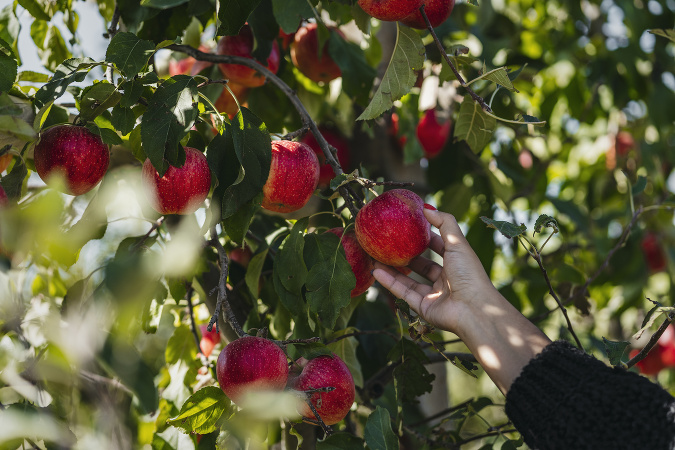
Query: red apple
{"points": [[4, 201], [241, 256], [321, 372], [437, 12], [209, 339], [654, 253], [294, 175], [251, 364], [652, 363], [4, 161], [305, 56], [360, 262], [392, 227], [74, 152], [624, 143], [431, 134], [335, 139], [182, 189], [525, 159], [242, 45], [189, 65], [389, 10], [286, 39], [226, 103], [394, 129]]}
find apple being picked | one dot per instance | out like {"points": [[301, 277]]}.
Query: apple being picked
{"points": [[293, 177], [242, 45], [389, 10], [182, 189], [305, 55], [251, 364], [360, 262], [73, 152], [392, 227], [209, 339], [437, 12], [335, 139], [323, 372], [431, 134]]}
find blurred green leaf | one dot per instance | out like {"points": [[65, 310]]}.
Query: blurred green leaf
{"points": [[255, 267], [232, 15], [289, 13], [340, 441], [202, 411]]}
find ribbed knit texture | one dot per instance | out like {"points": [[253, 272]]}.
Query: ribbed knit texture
{"points": [[566, 399]]}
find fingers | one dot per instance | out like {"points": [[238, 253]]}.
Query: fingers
{"points": [[447, 225], [401, 286], [426, 267], [436, 244]]}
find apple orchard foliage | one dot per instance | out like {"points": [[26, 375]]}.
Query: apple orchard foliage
{"points": [[97, 292]]}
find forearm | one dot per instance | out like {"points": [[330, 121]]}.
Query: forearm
{"points": [[501, 338]]}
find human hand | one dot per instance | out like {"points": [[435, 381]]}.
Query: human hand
{"points": [[460, 287]]}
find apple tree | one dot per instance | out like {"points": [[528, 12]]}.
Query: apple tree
{"points": [[188, 217]]}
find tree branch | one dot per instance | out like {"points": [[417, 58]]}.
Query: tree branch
{"points": [[652, 342]]}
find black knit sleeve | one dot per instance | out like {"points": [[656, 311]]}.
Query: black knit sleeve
{"points": [[566, 399]]}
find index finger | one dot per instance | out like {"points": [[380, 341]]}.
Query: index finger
{"points": [[447, 225]]}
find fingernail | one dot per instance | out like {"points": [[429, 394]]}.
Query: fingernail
{"points": [[428, 206]]}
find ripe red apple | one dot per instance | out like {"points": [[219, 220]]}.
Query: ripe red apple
{"points": [[294, 175], [182, 189], [431, 134], [4, 161], [437, 12], [209, 339], [226, 103], [389, 10], [74, 152], [242, 45], [392, 227], [321, 372], [360, 262], [653, 252], [189, 65], [335, 139], [305, 56], [251, 364], [624, 143]]}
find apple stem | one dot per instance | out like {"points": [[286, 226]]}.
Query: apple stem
{"points": [[222, 290], [477, 98], [345, 191], [652, 342]]}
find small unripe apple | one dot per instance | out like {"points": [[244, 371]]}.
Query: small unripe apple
{"points": [[335, 139], [242, 45], [392, 227], [437, 12], [305, 55], [431, 134], [322, 372], [209, 339], [389, 10], [182, 189], [360, 262], [251, 364], [293, 177], [75, 153]]}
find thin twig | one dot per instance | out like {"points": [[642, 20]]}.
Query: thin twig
{"points": [[112, 31], [193, 324], [158, 223], [295, 134], [319, 421], [652, 342], [477, 98], [222, 301]]}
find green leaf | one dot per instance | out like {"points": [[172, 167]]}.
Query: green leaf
{"points": [[162, 4], [97, 98], [93, 223], [202, 411], [474, 125], [651, 317], [70, 71], [35, 9], [346, 350], [123, 119], [13, 182], [340, 441], [237, 224], [506, 228], [232, 15], [50, 45], [668, 34], [330, 279], [614, 350], [133, 90], [8, 70], [289, 263], [640, 185], [546, 221], [378, 432], [401, 74], [357, 74], [129, 53], [255, 267], [289, 13], [499, 76], [181, 345], [413, 379], [170, 115]]}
